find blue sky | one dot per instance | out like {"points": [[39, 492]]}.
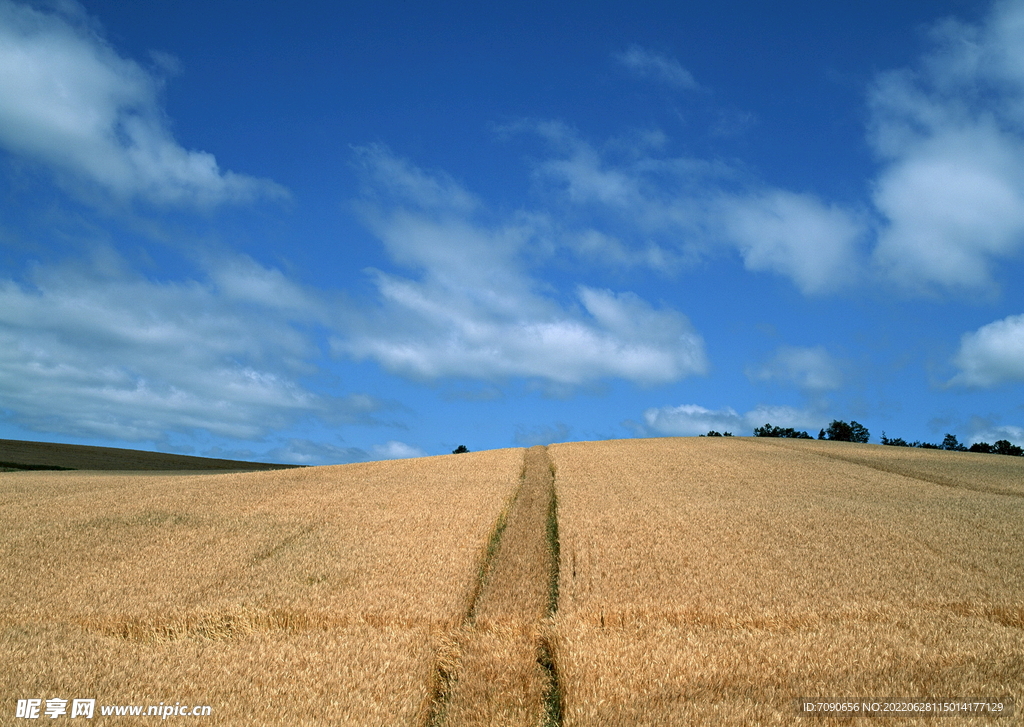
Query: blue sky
{"points": [[330, 232]]}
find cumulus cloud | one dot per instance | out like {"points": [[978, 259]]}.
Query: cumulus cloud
{"points": [[994, 354], [810, 369], [950, 136], [687, 420], [649, 64], [68, 100], [796, 235], [97, 350], [475, 311]]}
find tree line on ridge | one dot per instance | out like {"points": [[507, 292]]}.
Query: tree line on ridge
{"points": [[840, 431]]}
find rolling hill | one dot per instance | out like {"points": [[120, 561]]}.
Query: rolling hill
{"points": [[19, 455], [705, 581]]}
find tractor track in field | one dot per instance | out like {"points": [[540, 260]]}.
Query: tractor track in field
{"points": [[498, 667]]}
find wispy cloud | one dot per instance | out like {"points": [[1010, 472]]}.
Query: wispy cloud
{"points": [[657, 66], [393, 449], [304, 451], [532, 436], [669, 211], [68, 100], [475, 311], [687, 420], [97, 350], [985, 429], [811, 369], [946, 205], [994, 354]]}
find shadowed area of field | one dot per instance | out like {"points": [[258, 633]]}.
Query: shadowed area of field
{"points": [[18, 455]]}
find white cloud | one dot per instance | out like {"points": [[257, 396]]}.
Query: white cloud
{"points": [[67, 99], [687, 420], [240, 279], [952, 193], [679, 210], [993, 354], [476, 312], [986, 431], [393, 449], [438, 332], [811, 369], [96, 350], [794, 234], [949, 196], [649, 64], [392, 177]]}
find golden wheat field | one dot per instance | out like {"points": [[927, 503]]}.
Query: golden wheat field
{"points": [[305, 596], [672, 581], [717, 581]]}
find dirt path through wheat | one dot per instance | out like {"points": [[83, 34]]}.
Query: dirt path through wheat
{"points": [[503, 674]]}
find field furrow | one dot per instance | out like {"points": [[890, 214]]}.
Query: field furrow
{"points": [[502, 672]]}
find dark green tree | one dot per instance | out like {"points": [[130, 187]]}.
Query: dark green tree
{"points": [[895, 442], [1003, 446], [461, 449], [786, 433], [840, 431], [951, 444]]}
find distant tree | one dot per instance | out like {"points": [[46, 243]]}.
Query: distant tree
{"points": [[461, 449], [1003, 446], [840, 431], [788, 433], [860, 433], [983, 447], [926, 445], [950, 444], [726, 434], [896, 442], [713, 433]]}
